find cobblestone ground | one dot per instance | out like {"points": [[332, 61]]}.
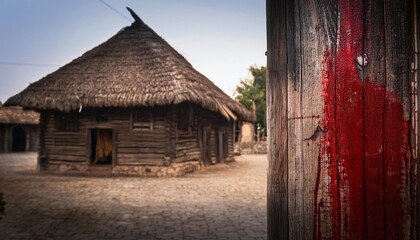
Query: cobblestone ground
{"points": [[220, 202]]}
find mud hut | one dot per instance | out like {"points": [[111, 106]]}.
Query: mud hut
{"points": [[132, 105], [18, 129]]}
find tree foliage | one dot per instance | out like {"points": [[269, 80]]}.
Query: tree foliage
{"points": [[252, 90]]}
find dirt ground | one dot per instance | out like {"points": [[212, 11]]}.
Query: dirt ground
{"points": [[221, 202]]}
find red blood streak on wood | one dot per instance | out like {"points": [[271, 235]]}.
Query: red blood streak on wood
{"points": [[317, 207], [375, 96], [349, 121], [349, 142], [329, 149]]}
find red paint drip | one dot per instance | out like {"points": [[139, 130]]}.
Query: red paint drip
{"points": [[366, 144], [329, 149], [385, 150], [317, 211]]}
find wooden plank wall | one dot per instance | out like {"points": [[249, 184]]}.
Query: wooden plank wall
{"points": [[145, 147], [160, 146], [187, 148], [67, 147], [230, 131], [340, 167], [33, 137], [217, 122], [277, 152], [415, 78], [2, 138], [42, 162], [134, 147]]}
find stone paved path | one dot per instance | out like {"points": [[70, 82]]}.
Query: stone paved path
{"points": [[221, 202]]}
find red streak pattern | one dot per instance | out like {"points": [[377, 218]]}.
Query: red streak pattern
{"points": [[366, 143]]}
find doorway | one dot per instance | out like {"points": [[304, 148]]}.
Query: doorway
{"points": [[221, 146], [206, 137], [101, 146], [18, 140]]}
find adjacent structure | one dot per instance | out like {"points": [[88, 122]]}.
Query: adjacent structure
{"points": [[132, 105], [18, 129]]}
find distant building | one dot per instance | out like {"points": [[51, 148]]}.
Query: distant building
{"points": [[18, 130], [132, 105], [248, 134]]}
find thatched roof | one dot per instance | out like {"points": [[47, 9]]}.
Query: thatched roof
{"points": [[135, 67], [16, 115]]}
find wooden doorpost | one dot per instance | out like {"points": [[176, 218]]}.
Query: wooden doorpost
{"points": [[277, 192]]}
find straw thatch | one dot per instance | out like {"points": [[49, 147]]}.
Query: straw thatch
{"points": [[16, 115], [136, 67]]}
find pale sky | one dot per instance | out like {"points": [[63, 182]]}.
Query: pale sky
{"points": [[220, 38]]}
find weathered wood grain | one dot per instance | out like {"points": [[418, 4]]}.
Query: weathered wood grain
{"points": [[312, 49], [277, 192], [296, 200], [349, 76], [415, 76], [396, 147], [374, 82]]}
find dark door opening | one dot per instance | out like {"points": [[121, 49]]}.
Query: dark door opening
{"points": [[206, 145], [221, 146], [18, 140], [101, 146]]}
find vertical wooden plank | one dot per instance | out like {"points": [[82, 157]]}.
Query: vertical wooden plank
{"points": [[397, 153], [312, 48], [173, 131], [42, 154], [294, 110], [7, 145], [415, 171], [318, 24], [277, 193], [327, 208], [349, 120], [2, 138], [374, 100], [88, 146], [114, 147]]}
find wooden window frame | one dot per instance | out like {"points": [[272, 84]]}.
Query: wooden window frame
{"points": [[137, 125], [187, 118]]}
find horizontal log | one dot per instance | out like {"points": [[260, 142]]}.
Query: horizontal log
{"points": [[141, 150], [187, 147], [187, 158], [186, 140], [65, 152], [52, 157], [141, 156], [125, 162], [178, 155], [140, 144]]}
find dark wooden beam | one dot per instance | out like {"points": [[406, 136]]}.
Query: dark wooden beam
{"points": [[277, 192]]}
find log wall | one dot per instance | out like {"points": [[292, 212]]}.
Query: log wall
{"points": [[131, 146], [189, 145], [159, 145], [215, 123]]}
